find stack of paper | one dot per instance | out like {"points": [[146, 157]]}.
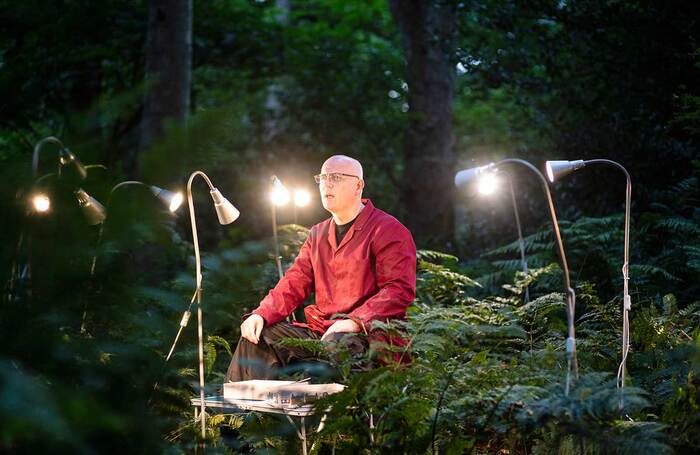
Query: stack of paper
{"points": [[279, 393], [256, 389]]}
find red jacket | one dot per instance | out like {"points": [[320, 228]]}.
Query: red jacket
{"points": [[370, 276]]}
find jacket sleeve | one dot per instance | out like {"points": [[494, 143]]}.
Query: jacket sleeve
{"points": [[291, 291], [395, 268]]}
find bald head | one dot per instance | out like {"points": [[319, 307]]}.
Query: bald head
{"points": [[343, 164], [342, 196]]}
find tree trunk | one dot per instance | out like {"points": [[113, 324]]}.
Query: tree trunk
{"points": [[274, 123], [427, 29], [168, 70]]}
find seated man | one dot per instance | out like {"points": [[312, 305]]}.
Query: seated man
{"points": [[361, 263]]}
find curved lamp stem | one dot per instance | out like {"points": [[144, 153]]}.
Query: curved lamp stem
{"points": [[37, 150], [572, 363], [198, 293], [102, 226], [626, 299], [226, 213]]}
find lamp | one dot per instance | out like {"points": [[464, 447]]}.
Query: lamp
{"points": [[559, 169], [94, 212], [226, 213], [40, 203], [469, 175], [171, 199]]}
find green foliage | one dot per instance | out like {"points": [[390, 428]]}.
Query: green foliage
{"points": [[536, 79], [487, 375], [438, 282]]}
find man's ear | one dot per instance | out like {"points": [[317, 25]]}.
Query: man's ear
{"points": [[360, 185]]}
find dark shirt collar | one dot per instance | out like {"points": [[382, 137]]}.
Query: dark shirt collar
{"points": [[357, 225]]}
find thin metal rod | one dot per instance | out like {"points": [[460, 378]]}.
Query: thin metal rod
{"points": [[521, 241], [570, 295], [278, 260], [183, 323], [198, 291], [303, 436], [626, 298]]}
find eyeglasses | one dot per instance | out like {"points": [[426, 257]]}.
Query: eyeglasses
{"points": [[334, 177]]}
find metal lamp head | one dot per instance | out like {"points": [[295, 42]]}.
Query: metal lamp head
{"points": [[225, 211], [467, 176], [94, 212], [171, 199], [67, 158], [559, 168]]}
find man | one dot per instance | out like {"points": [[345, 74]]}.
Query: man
{"points": [[361, 263]]}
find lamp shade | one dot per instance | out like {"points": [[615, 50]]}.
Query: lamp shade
{"points": [[171, 199], [557, 169], [225, 211], [69, 160], [467, 176], [94, 212]]}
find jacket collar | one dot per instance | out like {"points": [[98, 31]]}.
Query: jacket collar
{"points": [[359, 223]]}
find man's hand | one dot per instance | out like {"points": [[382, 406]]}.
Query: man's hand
{"points": [[342, 326], [251, 328]]}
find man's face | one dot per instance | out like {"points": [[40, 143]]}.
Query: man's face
{"points": [[344, 194]]}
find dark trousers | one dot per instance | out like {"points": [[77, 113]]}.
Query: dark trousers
{"points": [[268, 358]]}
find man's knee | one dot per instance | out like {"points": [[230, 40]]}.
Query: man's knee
{"points": [[270, 334], [281, 330]]}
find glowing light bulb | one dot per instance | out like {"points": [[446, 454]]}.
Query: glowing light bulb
{"points": [[488, 183], [279, 194], [550, 171], [175, 202], [41, 203], [301, 198]]}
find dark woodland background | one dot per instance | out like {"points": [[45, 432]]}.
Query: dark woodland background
{"points": [[416, 90]]}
